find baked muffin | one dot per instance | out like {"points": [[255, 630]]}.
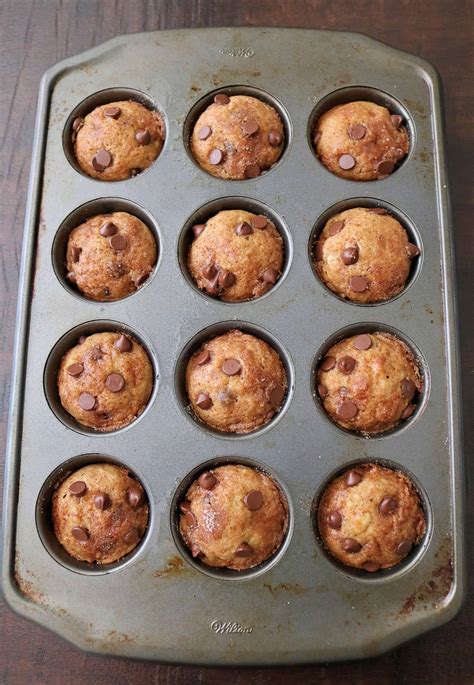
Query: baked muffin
{"points": [[109, 256], [368, 382], [233, 517], [236, 255], [370, 517], [105, 381], [235, 382], [118, 140], [364, 255], [360, 141], [100, 513], [237, 137]]}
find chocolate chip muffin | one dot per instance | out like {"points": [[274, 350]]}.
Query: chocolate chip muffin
{"points": [[118, 140], [235, 382], [109, 256], [100, 513], [237, 137], [364, 255], [233, 517], [236, 255], [369, 382], [105, 381], [370, 517], [360, 141]]}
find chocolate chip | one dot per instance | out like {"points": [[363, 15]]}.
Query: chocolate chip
{"points": [[213, 286], [350, 255], [377, 210], [82, 339], [352, 478], [386, 167], [276, 395], [108, 229], [351, 545], [185, 506], [143, 137], [207, 480], [75, 369], [141, 278], [202, 358], [322, 391], [359, 284], [221, 99], [86, 401], [409, 411], [243, 228], [259, 221], [216, 156], [252, 171], [118, 242], [101, 501], [244, 550], [318, 252], [71, 276], [80, 534], [76, 253], [363, 342], [371, 566], [198, 229], [135, 496], [335, 227], [275, 138], [346, 162], [203, 401], [334, 519], [101, 160], [131, 537], [190, 519], [115, 382], [226, 278], [112, 112], [270, 275], [388, 505], [79, 488], [77, 124], [403, 548], [346, 364], [123, 344], [204, 132], [328, 363], [408, 389], [347, 411], [396, 120], [209, 271], [412, 250], [357, 131], [399, 154], [96, 353], [317, 137], [253, 500], [250, 127], [231, 367]]}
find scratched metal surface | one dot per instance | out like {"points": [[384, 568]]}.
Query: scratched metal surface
{"points": [[303, 609]]}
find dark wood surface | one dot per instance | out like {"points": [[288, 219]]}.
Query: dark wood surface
{"points": [[33, 36]]}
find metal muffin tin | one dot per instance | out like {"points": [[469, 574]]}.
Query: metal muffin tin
{"points": [[300, 606]]}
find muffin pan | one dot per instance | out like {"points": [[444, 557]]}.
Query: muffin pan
{"points": [[299, 606]]}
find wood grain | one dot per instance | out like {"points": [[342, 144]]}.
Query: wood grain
{"points": [[33, 36]]}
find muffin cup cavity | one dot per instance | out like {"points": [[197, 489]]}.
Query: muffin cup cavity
{"points": [[368, 202], [421, 399], [368, 94], [104, 205], [103, 97], [210, 209], [226, 573], [203, 103], [409, 561], [44, 523], [210, 332], [70, 339]]}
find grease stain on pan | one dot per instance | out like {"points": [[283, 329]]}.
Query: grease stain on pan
{"points": [[293, 588], [175, 567]]}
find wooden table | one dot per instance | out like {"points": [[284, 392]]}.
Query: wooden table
{"points": [[34, 35]]}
